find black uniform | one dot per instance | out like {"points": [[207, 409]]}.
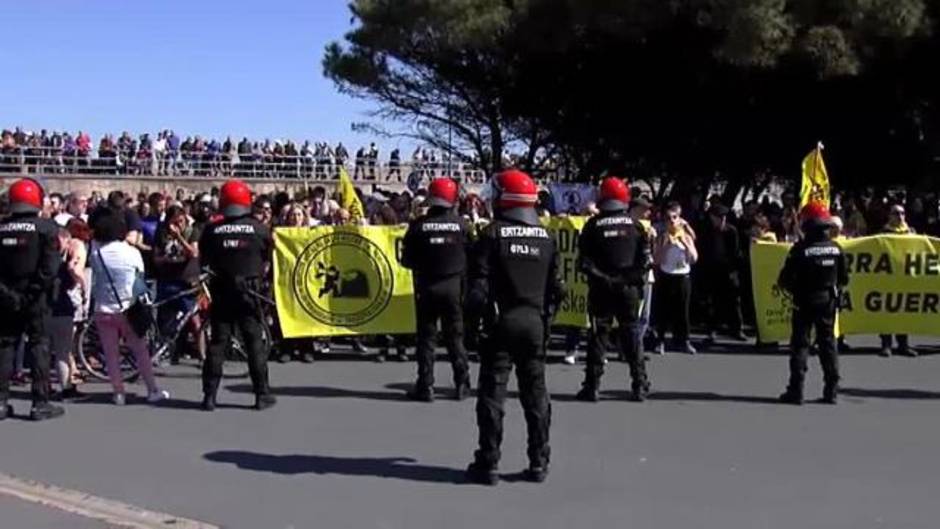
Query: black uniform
{"points": [[29, 264], [236, 250], [514, 275], [435, 248], [814, 273], [719, 260], [614, 253]]}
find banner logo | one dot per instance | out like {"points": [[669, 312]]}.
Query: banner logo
{"points": [[350, 294]]}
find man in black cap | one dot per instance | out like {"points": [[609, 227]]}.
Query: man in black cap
{"points": [[719, 259]]}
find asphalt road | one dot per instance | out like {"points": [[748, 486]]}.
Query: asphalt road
{"points": [[343, 449]]}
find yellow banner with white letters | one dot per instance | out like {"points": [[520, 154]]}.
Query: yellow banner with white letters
{"points": [[894, 287]]}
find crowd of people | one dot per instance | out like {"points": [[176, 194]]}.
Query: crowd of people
{"points": [[701, 257], [167, 153]]}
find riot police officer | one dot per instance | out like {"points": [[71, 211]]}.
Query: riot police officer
{"points": [[514, 277], [614, 254], [29, 263], [814, 272], [435, 249], [237, 250]]}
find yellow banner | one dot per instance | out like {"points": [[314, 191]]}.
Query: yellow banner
{"points": [[573, 311], [894, 287], [342, 281]]}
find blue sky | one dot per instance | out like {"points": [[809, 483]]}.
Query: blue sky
{"points": [[204, 67]]}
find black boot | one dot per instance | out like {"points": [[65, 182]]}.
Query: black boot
{"points": [[263, 402], [640, 390], [792, 396], [421, 393], [462, 391], [208, 402], [5, 410], [588, 393], [536, 473], [482, 474], [43, 411], [830, 394]]}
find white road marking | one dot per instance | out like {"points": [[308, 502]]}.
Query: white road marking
{"points": [[109, 511]]}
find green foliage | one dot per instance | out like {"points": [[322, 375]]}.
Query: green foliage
{"points": [[676, 89]]}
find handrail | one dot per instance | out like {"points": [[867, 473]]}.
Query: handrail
{"points": [[49, 160]]}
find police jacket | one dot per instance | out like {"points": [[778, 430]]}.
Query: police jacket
{"points": [[815, 269], [514, 264], [613, 248], [236, 249], [435, 245], [29, 260]]}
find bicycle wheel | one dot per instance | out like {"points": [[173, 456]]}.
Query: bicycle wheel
{"points": [[91, 356]]}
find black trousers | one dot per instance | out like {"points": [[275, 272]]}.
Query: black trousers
{"points": [[901, 339], [671, 297], [722, 296], [516, 339], [225, 324], [31, 322], [440, 300], [821, 317], [606, 306]]}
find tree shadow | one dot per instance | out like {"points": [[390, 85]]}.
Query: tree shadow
{"points": [[901, 394], [325, 392], [707, 397], [384, 467]]}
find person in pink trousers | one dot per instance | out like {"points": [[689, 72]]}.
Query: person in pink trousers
{"points": [[118, 268]]}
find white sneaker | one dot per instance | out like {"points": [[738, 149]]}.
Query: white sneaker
{"points": [[570, 359], [157, 396], [118, 399]]}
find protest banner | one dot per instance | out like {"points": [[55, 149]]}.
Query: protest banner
{"points": [[341, 281], [573, 310], [894, 287]]}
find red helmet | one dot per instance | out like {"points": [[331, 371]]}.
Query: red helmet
{"points": [[25, 196], [614, 195], [515, 195], [442, 193], [815, 211], [515, 189], [235, 199]]}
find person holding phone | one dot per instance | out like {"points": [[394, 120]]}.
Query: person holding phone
{"points": [[674, 253]]}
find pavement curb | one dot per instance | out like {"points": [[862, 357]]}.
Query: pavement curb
{"points": [[89, 506]]}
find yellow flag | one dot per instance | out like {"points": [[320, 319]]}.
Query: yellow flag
{"points": [[815, 186], [349, 199]]}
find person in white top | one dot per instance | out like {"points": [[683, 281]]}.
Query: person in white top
{"points": [[674, 254], [118, 270]]}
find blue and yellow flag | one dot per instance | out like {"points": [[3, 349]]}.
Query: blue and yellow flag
{"points": [[815, 187]]}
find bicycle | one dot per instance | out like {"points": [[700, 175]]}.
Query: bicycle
{"points": [[162, 343]]}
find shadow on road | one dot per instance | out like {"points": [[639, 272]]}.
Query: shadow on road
{"points": [[324, 392], [383, 467], [708, 397], [901, 394]]}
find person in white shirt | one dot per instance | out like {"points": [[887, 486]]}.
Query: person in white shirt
{"points": [[118, 270], [673, 256]]}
